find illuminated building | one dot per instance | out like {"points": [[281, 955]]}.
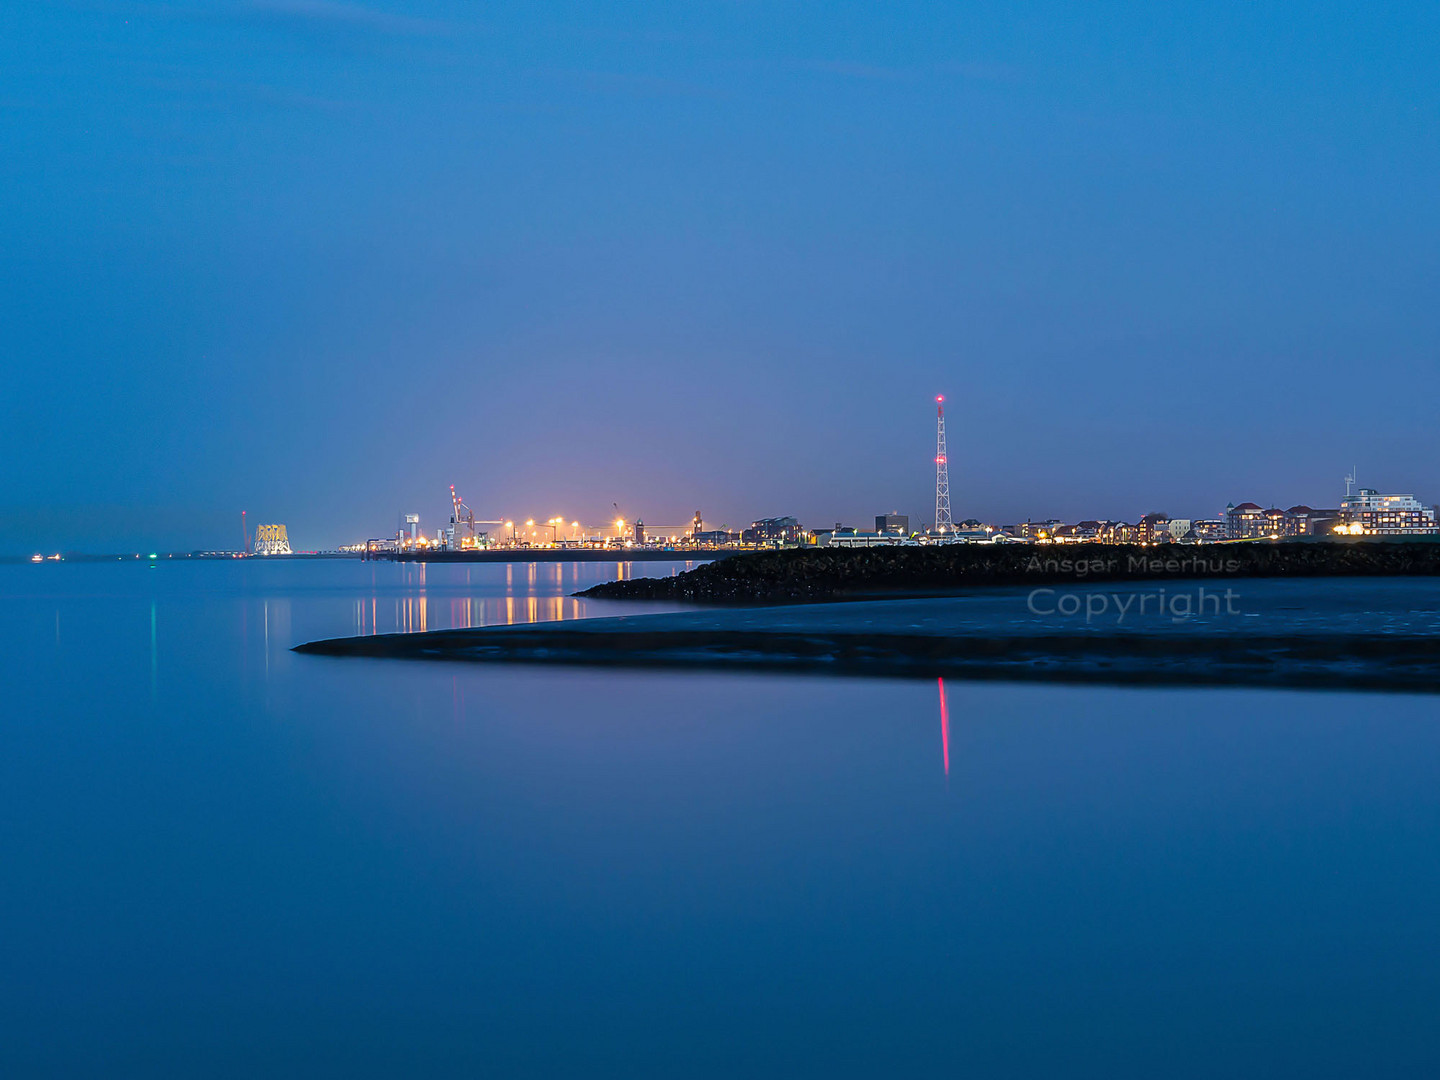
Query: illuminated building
{"points": [[894, 524], [271, 540], [852, 538], [1305, 521], [1119, 532], [1155, 529], [1368, 513], [1249, 522], [715, 538], [1245, 521], [778, 530]]}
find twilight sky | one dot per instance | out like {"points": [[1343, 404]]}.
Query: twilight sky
{"points": [[318, 260]]}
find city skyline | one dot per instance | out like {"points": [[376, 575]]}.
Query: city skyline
{"points": [[510, 529], [433, 518]]}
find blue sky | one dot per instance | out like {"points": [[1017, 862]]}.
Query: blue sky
{"points": [[320, 260]]}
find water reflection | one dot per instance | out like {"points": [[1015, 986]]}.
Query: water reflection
{"points": [[471, 889], [275, 628], [474, 596], [411, 615], [944, 728]]}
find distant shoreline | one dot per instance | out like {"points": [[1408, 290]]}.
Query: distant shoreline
{"points": [[548, 555], [172, 556], [495, 555]]}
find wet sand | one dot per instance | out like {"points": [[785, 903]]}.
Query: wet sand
{"points": [[1359, 635]]}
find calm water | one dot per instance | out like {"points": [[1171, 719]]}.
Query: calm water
{"points": [[220, 859]]}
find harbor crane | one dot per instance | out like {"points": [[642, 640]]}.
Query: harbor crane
{"points": [[462, 534], [461, 517]]}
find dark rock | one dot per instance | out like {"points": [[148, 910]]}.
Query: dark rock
{"points": [[818, 574]]}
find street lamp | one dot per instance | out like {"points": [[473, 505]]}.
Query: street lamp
{"points": [[551, 525]]}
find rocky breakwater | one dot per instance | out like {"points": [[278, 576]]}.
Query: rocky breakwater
{"points": [[819, 574]]}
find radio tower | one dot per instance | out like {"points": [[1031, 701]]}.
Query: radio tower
{"points": [[943, 524]]}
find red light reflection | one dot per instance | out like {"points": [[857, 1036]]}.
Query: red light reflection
{"points": [[944, 727]]}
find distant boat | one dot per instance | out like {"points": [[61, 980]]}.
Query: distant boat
{"points": [[37, 558]]}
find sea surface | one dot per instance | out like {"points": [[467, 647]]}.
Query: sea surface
{"points": [[222, 859]]}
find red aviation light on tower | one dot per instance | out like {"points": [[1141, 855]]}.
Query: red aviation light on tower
{"points": [[943, 524]]}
